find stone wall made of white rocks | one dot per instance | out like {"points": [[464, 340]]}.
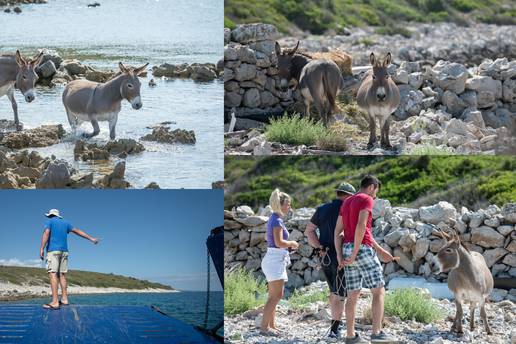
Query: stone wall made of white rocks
{"points": [[251, 80], [405, 232]]}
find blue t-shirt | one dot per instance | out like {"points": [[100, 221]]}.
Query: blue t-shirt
{"points": [[275, 221], [59, 230]]}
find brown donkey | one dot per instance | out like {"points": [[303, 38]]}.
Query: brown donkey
{"points": [[469, 279], [379, 97]]}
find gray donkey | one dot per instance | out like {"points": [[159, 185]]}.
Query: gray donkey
{"points": [[319, 81], [92, 101], [379, 96], [17, 72], [469, 279]]}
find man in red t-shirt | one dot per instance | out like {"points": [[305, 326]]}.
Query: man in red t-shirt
{"points": [[358, 256]]}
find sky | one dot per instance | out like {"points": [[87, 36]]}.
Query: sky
{"points": [[158, 235]]}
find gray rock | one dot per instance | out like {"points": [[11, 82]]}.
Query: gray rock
{"points": [[421, 248], [453, 103], [380, 207], [56, 176], [505, 230], [494, 255], [227, 35], [253, 220], [509, 212], [245, 72], [411, 102], [510, 260], [443, 211], [232, 99], [252, 98], [405, 260], [449, 76], [46, 70], [246, 33], [509, 90], [486, 237]]}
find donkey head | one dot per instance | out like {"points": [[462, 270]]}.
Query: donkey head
{"points": [[285, 64], [27, 77], [130, 88], [448, 257], [380, 76]]}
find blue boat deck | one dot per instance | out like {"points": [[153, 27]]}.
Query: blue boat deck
{"points": [[93, 324]]}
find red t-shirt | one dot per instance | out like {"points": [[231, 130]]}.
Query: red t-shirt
{"points": [[349, 212]]}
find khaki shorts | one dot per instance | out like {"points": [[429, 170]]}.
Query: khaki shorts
{"points": [[57, 261]]}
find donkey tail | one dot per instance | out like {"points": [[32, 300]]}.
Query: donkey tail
{"points": [[331, 93]]}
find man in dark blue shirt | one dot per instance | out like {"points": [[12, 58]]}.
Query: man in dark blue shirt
{"points": [[325, 218], [54, 240]]}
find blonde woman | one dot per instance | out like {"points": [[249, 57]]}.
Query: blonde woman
{"points": [[276, 260]]}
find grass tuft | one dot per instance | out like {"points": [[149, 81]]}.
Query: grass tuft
{"points": [[300, 300], [295, 130], [411, 304], [241, 292]]}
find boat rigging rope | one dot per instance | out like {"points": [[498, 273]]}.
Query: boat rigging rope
{"points": [[207, 309]]}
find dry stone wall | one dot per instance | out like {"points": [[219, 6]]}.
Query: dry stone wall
{"points": [[405, 232]]}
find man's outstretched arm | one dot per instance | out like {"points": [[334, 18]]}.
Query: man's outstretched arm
{"points": [[85, 235], [44, 239]]}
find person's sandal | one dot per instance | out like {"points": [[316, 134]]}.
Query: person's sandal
{"points": [[383, 337], [64, 304], [49, 306]]}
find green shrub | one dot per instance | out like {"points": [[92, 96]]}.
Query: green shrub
{"points": [[295, 130], [229, 23], [300, 300], [411, 304], [241, 291]]}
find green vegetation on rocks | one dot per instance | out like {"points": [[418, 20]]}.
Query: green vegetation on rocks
{"points": [[242, 292], [412, 304], [39, 277], [471, 181], [317, 16]]}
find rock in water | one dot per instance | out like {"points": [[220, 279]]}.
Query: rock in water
{"points": [[164, 135], [43, 136]]}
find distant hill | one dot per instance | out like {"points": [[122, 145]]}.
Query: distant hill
{"points": [[318, 16], [39, 276], [471, 181]]}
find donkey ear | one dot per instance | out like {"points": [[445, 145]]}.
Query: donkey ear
{"points": [[293, 51], [123, 69], [372, 59], [387, 60], [277, 48], [19, 59], [141, 69], [37, 60]]}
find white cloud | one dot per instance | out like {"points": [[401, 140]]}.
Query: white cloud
{"points": [[32, 263]]}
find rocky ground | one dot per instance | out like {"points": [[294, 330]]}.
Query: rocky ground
{"points": [[457, 92], [311, 325]]}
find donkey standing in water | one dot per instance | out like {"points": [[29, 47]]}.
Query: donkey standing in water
{"points": [[469, 279], [319, 80], [92, 101], [379, 97], [16, 72]]}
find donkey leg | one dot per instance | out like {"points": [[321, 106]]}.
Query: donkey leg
{"points": [[14, 105], [385, 135], [483, 316], [112, 125], [372, 131], [72, 120], [472, 307], [457, 324], [96, 129]]}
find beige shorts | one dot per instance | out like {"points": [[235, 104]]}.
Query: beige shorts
{"points": [[57, 261]]}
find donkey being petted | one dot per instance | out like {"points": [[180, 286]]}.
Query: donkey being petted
{"points": [[18, 72]]}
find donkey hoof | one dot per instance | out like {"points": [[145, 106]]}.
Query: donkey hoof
{"points": [[19, 127], [370, 145]]}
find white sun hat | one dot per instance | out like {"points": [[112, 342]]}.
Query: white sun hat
{"points": [[54, 212]]}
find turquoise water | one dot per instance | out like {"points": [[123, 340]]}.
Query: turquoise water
{"points": [[135, 33], [186, 306]]}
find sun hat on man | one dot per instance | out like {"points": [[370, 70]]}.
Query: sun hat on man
{"points": [[346, 188], [53, 212]]}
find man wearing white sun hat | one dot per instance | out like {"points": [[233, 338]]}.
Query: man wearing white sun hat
{"points": [[55, 241]]}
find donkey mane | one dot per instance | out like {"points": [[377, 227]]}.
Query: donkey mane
{"points": [[298, 62]]}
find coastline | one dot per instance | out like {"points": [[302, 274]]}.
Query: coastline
{"points": [[14, 292]]}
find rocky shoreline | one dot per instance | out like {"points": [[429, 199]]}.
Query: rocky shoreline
{"points": [[13, 292], [311, 325]]}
